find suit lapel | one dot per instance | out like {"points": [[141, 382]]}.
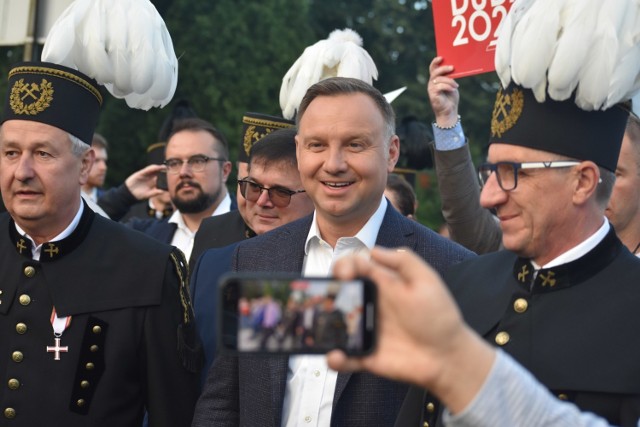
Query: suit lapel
{"points": [[393, 230], [392, 233]]}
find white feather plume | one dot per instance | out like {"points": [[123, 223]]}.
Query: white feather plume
{"points": [[340, 55], [123, 44], [558, 47]]}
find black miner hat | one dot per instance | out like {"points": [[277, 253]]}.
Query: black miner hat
{"points": [[55, 95], [254, 127], [559, 127]]}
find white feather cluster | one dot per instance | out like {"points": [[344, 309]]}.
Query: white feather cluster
{"points": [[340, 55], [123, 44], [556, 47]]}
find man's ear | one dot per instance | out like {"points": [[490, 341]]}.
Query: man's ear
{"points": [[226, 170], [394, 153], [87, 158], [587, 178]]}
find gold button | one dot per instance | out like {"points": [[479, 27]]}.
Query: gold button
{"points": [[563, 396], [24, 299], [425, 424], [9, 413], [502, 338], [93, 348], [29, 271], [80, 403], [431, 407], [17, 356], [21, 328], [97, 329], [90, 366], [13, 384], [520, 305], [84, 384], [0, 291]]}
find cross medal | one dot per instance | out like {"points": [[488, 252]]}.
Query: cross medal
{"points": [[59, 325], [57, 349]]}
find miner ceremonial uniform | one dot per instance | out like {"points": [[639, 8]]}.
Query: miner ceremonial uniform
{"points": [[124, 345]]}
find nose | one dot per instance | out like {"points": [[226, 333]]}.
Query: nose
{"points": [[185, 169], [492, 195], [24, 169], [264, 200], [335, 163]]}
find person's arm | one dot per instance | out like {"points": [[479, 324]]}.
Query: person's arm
{"points": [[219, 403], [140, 185], [511, 396], [422, 339], [471, 225]]}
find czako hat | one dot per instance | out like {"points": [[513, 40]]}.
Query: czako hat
{"points": [[256, 126], [566, 85], [55, 95], [559, 127]]}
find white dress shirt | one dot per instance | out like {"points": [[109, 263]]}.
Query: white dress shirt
{"points": [[311, 384], [183, 237]]}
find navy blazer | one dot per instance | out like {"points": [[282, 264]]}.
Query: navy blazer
{"points": [[204, 295], [249, 390]]}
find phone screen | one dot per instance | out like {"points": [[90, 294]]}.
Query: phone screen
{"points": [[297, 315], [161, 183]]}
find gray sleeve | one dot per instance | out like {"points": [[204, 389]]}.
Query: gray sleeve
{"points": [[470, 225], [511, 396]]}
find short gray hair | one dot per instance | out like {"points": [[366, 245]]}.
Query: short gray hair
{"points": [[78, 147]]}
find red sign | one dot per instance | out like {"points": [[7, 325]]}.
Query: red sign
{"points": [[466, 33]]}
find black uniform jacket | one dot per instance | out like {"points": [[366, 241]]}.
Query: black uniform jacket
{"points": [[219, 231], [575, 327], [127, 346]]}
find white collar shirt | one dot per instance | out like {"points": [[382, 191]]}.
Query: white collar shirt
{"points": [[183, 237], [310, 383]]}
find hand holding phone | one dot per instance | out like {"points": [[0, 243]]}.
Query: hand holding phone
{"points": [[292, 314]]}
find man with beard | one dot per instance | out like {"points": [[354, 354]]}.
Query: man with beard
{"points": [[197, 164]]}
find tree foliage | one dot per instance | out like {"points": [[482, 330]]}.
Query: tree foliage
{"points": [[233, 55]]}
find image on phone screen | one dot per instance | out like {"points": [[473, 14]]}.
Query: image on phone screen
{"points": [[301, 315]]}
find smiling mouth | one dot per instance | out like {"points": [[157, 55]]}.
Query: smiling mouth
{"points": [[337, 184]]}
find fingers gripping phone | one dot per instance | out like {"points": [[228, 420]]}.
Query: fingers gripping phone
{"points": [[296, 315]]}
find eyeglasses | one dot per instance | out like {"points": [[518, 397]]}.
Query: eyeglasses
{"points": [[507, 172], [197, 163], [279, 196]]}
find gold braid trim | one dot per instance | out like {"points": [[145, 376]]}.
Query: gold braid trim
{"points": [[266, 123], [29, 69], [182, 268]]}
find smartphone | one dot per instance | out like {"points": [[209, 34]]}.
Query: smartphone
{"points": [[161, 183], [296, 315]]}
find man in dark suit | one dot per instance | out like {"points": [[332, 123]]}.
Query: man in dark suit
{"points": [[346, 146], [222, 230], [272, 198], [197, 161]]}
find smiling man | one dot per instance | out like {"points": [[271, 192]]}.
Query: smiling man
{"points": [[346, 146], [197, 161], [562, 298]]}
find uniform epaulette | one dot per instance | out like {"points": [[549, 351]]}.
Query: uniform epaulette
{"points": [[190, 349]]}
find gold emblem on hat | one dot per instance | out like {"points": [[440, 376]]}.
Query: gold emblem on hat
{"points": [[30, 98], [251, 136], [506, 111]]}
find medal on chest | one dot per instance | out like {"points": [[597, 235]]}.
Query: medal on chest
{"points": [[59, 325]]}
